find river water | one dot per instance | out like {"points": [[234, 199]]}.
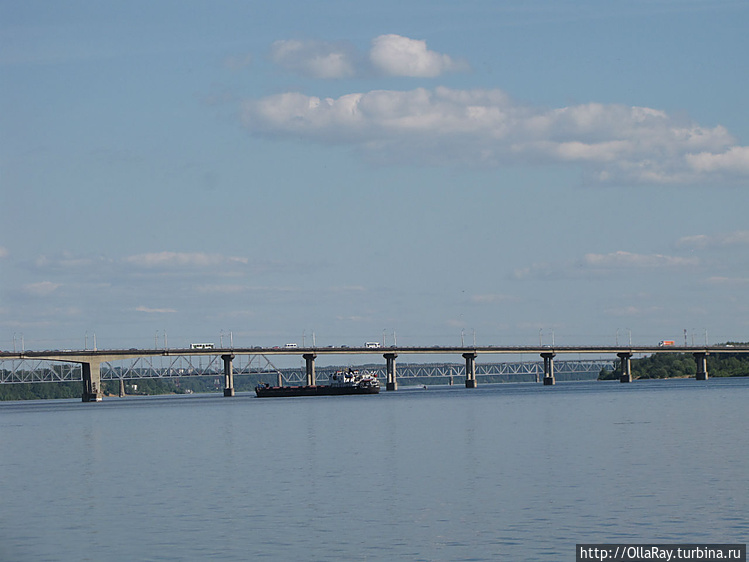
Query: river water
{"points": [[503, 472]]}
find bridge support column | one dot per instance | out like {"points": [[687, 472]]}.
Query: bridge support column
{"points": [[309, 361], [91, 382], [549, 379], [470, 369], [122, 388], [626, 365], [701, 360], [228, 375], [392, 383]]}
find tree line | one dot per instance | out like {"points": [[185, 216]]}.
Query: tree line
{"points": [[674, 365], [144, 386]]}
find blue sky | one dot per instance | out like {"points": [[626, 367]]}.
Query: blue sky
{"points": [[273, 170]]}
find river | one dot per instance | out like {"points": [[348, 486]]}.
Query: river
{"points": [[513, 472]]}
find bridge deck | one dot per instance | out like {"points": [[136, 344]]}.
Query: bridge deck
{"points": [[75, 356]]}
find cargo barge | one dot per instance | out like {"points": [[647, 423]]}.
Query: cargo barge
{"points": [[340, 383]]}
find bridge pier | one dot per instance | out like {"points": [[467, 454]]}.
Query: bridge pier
{"points": [[701, 360], [392, 383], [470, 369], [309, 362], [228, 375], [122, 388], [91, 382], [626, 364], [548, 358]]}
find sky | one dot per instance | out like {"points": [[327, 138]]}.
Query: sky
{"points": [[411, 172]]}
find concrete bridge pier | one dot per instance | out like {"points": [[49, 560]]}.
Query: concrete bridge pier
{"points": [[392, 383], [548, 358], [701, 360], [91, 382], [470, 369], [626, 364], [228, 375], [309, 363], [122, 388]]}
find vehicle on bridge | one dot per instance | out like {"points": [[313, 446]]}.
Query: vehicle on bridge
{"points": [[201, 346], [666, 343]]}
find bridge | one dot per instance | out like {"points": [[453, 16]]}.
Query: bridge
{"points": [[91, 361]]}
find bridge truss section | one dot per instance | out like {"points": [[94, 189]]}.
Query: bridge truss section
{"points": [[16, 371], [561, 367], [521, 369], [38, 370], [162, 366]]}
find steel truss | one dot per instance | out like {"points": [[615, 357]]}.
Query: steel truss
{"points": [[438, 370], [562, 367], [38, 370], [41, 370], [530, 368], [30, 371], [186, 366]]}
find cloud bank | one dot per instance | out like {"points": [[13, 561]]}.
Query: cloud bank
{"points": [[606, 264], [41, 289], [317, 59], [736, 238], [630, 260], [395, 55], [182, 259], [611, 142], [390, 55]]}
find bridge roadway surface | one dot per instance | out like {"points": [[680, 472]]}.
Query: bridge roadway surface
{"points": [[91, 360], [102, 355]]}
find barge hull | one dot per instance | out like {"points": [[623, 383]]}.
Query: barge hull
{"points": [[313, 390]]}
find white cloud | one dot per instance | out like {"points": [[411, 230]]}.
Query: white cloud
{"points": [[392, 55], [41, 289], [697, 241], [182, 259], [734, 160], [601, 264], [149, 310], [65, 260], [623, 311], [489, 298], [630, 311], [354, 318], [728, 281], [401, 56], [487, 128], [318, 59], [630, 260], [348, 289], [224, 289], [542, 271], [238, 62], [736, 238]]}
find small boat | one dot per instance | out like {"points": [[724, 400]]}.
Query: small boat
{"points": [[349, 381]]}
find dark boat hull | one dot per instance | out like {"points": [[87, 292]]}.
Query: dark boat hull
{"points": [[313, 390]]}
